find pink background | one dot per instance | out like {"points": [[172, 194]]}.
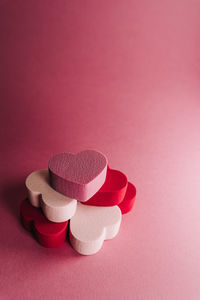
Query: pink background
{"points": [[120, 76]]}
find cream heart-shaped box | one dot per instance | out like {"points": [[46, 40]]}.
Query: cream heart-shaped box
{"points": [[78, 176], [91, 225], [55, 206]]}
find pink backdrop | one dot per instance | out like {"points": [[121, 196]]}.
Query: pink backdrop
{"points": [[121, 76]]}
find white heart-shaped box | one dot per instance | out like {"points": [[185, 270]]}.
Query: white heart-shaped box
{"points": [[55, 206], [91, 225]]}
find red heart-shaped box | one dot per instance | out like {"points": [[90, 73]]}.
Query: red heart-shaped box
{"points": [[129, 199], [47, 233], [113, 190], [78, 176]]}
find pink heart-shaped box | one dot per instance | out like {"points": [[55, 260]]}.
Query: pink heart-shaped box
{"points": [[78, 176]]}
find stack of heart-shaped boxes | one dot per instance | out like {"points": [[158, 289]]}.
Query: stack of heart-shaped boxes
{"points": [[81, 189]]}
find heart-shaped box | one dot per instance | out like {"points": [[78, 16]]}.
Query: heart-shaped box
{"points": [[115, 191], [129, 199], [47, 233], [55, 206], [91, 225], [78, 176], [112, 191]]}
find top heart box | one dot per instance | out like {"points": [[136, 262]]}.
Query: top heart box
{"points": [[78, 176]]}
